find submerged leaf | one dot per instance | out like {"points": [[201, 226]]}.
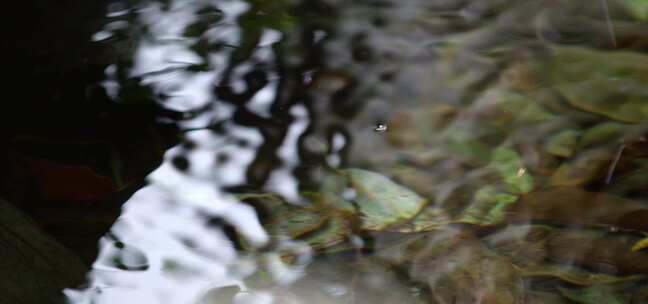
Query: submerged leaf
{"points": [[504, 107], [584, 167], [318, 224], [424, 246], [492, 201], [596, 294], [470, 273], [640, 245], [603, 133], [575, 275], [598, 249], [574, 205], [431, 218], [562, 144], [639, 8], [607, 83], [332, 232], [489, 207], [511, 167], [294, 221], [569, 254], [381, 201]]}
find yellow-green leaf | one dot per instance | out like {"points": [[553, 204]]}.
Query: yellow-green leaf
{"points": [[640, 245], [510, 166], [489, 207]]}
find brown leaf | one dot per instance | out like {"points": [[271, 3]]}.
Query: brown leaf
{"points": [[574, 205]]}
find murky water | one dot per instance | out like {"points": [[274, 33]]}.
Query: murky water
{"points": [[380, 152]]}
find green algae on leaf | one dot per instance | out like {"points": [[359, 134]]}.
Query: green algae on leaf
{"points": [[510, 166], [489, 207]]}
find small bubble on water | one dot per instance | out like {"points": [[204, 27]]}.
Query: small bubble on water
{"points": [[380, 128]]}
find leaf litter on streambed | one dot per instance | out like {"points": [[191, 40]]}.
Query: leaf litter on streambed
{"points": [[484, 259], [519, 181]]}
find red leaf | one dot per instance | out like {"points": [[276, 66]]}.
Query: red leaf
{"points": [[56, 181]]}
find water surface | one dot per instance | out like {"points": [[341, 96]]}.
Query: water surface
{"points": [[378, 152]]}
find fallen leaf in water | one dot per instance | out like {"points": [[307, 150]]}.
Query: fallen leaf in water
{"points": [[574, 275], [609, 294], [607, 83], [640, 245], [510, 165], [603, 133], [470, 273], [639, 8], [381, 201], [584, 167], [599, 250], [562, 144], [533, 251], [489, 207], [574, 205], [318, 224]]}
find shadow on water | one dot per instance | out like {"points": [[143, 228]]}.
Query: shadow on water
{"points": [[327, 152]]}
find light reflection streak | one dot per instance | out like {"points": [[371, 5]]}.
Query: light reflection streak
{"points": [[166, 221]]}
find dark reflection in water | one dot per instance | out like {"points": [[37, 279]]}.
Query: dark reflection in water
{"points": [[352, 152]]}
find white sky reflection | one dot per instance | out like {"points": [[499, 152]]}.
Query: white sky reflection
{"points": [[164, 225]]}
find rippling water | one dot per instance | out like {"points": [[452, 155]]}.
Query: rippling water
{"points": [[382, 152]]}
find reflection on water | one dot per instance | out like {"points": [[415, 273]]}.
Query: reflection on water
{"points": [[501, 144], [173, 242]]}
